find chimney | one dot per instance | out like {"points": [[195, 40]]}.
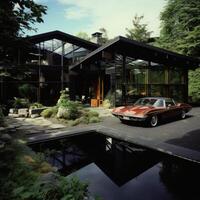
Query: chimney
{"points": [[97, 37]]}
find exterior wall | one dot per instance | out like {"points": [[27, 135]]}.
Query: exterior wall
{"points": [[141, 78]]}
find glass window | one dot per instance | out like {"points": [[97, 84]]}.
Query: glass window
{"points": [[136, 76], [158, 90], [177, 92], [159, 103], [134, 92], [176, 76], [157, 76], [169, 102]]}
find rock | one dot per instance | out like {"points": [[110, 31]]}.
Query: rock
{"points": [[34, 115], [13, 115], [5, 138], [13, 111], [63, 113], [23, 112]]}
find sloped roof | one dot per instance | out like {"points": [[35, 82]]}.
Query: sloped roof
{"points": [[139, 50], [63, 37]]}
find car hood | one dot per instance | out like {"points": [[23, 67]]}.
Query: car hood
{"points": [[133, 110]]}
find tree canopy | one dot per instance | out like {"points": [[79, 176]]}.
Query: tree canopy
{"points": [[19, 15], [139, 30], [180, 27], [83, 35], [180, 32], [16, 16]]}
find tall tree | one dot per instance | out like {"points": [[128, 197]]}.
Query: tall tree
{"points": [[83, 35], [104, 35], [180, 32], [139, 30], [16, 16], [180, 26]]}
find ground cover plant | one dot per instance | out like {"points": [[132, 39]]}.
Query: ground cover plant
{"points": [[70, 112], [25, 175]]}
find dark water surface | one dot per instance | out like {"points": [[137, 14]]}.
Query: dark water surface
{"points": [[117, 170]]}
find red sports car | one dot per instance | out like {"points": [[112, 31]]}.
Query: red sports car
{"points": [[152, 110]]}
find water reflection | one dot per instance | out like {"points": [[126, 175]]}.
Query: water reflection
{"points": [[181, 179], [120, 170]]}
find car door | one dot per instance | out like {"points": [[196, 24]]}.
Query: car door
{"points": [[171, 108]]}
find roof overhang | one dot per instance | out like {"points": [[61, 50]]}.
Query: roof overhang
{"points": [[35, 39], [138, 50]]}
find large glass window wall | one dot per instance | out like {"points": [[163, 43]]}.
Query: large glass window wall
{"points": [[141, 78]]}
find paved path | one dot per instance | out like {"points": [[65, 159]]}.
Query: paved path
{"points": [[180, 138]]}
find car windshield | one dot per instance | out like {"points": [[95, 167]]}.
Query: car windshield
{"points": [[145, 102]]}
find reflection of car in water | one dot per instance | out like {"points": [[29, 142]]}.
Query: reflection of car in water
{"points": [[152, 110]]}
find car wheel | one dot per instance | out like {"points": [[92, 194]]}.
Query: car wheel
{"points": [[183, 114], [153, 121]]}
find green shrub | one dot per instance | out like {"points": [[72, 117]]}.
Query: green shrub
{"points": [[27, 91], [25, 175], [70, 112], [93, 114], [20, 103], [73, 109], [106, 103], [109, 100], [49, 112], [36, 105], [94, 120], [63, 101], [75, 122]]}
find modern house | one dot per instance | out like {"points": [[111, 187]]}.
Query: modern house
{"points": [[121, 70]]}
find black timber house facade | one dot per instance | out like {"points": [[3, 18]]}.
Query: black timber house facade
{"points": [[122, 70]]}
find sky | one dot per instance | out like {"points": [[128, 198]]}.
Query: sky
{"points": [[74, 16]]}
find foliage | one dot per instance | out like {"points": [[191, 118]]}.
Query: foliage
{"points": [[70, 110], [16, 16], [36, 105], [49, 112], [180, 27], [139, 31], [180, 32], [25, 175], [104, 38], [106, 103], [27, 91], [67, 109], [83, 35], [63, 101], [87, 116], [20, 103], [93, 114], [94, 119], [194, 85], [73, 109], [109, 100]]}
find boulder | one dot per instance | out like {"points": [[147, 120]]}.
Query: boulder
{"points": [[13, 111], [23, 112]]}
